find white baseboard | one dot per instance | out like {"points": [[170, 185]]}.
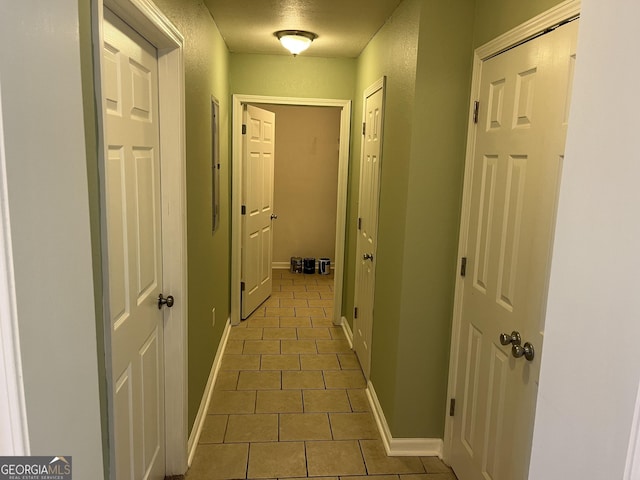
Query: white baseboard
{"points": [[198, 424], [287, 265], [347, 332], [401, 447]]}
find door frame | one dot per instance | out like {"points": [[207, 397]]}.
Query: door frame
{"points": [[14, 440], [145, 17], [526, 31], [239, 101]]}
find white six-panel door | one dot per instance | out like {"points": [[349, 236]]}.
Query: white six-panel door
{"points": [[257, 232], [516, 167], [130, 96], [368, 224]]}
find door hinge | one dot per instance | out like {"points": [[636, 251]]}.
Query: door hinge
{"points": [[355, 312], [359, 223], [244, 129], [476, 109], [243, 210], [242, 286], [364, 128], [452, 407], [463, 267]]}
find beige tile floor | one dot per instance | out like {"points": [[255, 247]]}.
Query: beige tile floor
{"points": [[289, 401]]}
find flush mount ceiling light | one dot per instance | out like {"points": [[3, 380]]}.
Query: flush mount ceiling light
{"points": [[295, 41]]}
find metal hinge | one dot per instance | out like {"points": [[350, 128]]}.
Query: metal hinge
{"points": [[359, 223], [242, 286], [244, 129], [452, 407], [463, 267], [364, 128], [243, 210], [476, 109], [355, 312]]}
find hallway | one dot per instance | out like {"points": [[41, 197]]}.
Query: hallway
{"points": [[290, 401]]}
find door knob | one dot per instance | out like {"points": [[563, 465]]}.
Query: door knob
{"points": [[165, 301], [274, 216], [513, 338], [368, 256], [527, 351]]}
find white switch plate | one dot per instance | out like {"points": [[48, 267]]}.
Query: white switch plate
{"points": [[213, 317]]}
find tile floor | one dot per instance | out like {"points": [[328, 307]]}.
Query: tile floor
{"points": [[289, 401]]}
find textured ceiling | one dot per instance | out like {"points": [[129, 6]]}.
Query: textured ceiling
{"points": [[344, 27]]}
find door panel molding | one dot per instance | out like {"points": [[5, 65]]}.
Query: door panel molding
{"points": [[564, 11], [236, 191], [144, 17]]}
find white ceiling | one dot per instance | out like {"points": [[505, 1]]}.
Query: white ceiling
{"points": [[344, 27]]}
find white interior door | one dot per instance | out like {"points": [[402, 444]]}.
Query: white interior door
{"points": [[257, 207], [133, 210], [368, 223], [516, 167]]}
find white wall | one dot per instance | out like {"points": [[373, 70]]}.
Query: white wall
{"points": [[48, 199], [591, 366]]}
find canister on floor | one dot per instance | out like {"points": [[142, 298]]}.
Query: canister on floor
{"points": [[296, 265], [309, 265], [324, 266]]}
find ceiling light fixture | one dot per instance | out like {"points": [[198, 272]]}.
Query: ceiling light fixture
{"points": [[295, 41]]}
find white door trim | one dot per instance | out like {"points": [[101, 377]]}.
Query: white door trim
{"points": [[144, 17], [236, 191], [14, 440], [553, 16], [632, 467]]}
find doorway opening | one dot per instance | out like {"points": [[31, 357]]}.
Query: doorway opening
{"points": [[239, 101]]}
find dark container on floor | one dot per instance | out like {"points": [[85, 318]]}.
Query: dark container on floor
{"points": [[309, 265]]}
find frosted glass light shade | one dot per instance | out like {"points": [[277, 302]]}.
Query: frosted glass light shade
{"points": [[296, 41]]}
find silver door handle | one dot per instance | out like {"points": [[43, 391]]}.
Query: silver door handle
{"points": [[513, 338], [368, 256], [274, 216], [527, 351]]}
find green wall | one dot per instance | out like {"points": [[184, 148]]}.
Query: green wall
{"points": [[433, 216], [391, 53], [428, 70], [289, 76], [495, 17], [206, 74]]}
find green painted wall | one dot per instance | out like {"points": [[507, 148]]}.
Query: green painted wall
{"points": [[495, 17], [288, 76], [206, 74], [391, 53], [433, 216], [428, 69]]}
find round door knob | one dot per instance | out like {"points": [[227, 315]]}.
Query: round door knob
{"points": [[527, 351], [165, 301], [274, 216], [368, 256], [513, 338]]}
